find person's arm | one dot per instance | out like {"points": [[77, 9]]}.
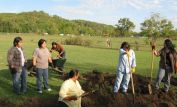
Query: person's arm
{"points": [[133, 65], [62, 50], [157, 53], [10, 56], [172, 62], [49, 57], [35, 57], [122, 51], [63, 92], [69, 98], [133, 60]]}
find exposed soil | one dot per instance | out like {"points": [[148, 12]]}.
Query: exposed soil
{"points": [[103, 96]]}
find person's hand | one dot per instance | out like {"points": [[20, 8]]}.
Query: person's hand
{"points": [[133, 70], [73, 98], [153, 47], [59, 56], [13, 70], [34, 69]]}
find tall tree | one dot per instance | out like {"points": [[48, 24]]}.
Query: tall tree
{"points": [[124, 27], [156, 26]]}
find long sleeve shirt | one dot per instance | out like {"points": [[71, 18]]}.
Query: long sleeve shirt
{"points": [[125, 62], [15, 58], [71, 88]]}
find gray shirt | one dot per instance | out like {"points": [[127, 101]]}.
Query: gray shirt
{"points": [[42, 57]]}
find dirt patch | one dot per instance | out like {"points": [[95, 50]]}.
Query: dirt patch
{"points": [[104, 97]]}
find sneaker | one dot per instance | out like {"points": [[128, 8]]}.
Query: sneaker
{"points": [[165, 90], [40, 92], [124, 93], [49, 89]]}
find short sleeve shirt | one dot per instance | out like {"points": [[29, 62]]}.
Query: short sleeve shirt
{"points": [[42, 56]]}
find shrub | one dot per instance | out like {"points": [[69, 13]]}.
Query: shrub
{"points": [[77, 41], [136, 46]]}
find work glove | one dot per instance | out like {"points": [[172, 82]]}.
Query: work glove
{"points": [[133, 70], [34, 69]]}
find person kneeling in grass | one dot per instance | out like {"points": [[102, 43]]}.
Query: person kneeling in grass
{"points": [[70, 92]]}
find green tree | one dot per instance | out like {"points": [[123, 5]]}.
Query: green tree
{"points": [[156, 26], [124, 27]]}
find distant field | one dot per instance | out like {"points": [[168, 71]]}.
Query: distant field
{"points": [[83, 58]]}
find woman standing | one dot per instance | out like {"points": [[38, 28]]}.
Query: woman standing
{"points": [[166, 64], [16, 63], [127, 64], [41, 57], [71, 91]]}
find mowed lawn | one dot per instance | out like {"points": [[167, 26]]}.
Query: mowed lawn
{"points": [[83, 58]]}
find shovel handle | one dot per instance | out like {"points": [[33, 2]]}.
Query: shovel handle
{"points": [[131, 76], [152, 64]]}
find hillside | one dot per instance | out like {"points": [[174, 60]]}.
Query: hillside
{"points": [[40, 22]]}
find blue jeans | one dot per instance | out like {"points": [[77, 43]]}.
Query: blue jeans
{"points": [[39, 74], [166, 75], [123, 78], [20, 85]]}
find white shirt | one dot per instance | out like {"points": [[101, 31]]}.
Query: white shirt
{"points": [[71, 88], [22, 56], [125, 63]]}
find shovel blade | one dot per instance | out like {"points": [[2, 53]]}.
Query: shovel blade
{"points": [[149, 89]]}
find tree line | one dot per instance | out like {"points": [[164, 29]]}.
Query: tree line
{"points": [[41, 22]]}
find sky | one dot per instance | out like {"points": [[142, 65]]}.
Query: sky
{"points": [[102, 11]]}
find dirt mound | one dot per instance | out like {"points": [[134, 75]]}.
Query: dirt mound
{"points": [[104, 96]]}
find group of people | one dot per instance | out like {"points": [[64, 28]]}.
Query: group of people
{"points": [[127, 64], [41, 57], [71, 92]]}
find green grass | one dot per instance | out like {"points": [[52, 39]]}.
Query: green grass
{"points": [[83, 58]]}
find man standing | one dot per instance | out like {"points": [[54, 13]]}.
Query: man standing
{"points": [[16, 63]]}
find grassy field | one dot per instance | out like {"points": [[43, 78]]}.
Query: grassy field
{"points": [[83, 58]]}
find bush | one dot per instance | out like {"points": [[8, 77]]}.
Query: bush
{"points": [[77, 41]]}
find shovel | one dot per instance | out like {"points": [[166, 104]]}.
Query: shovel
{"points": [[131, 77], [152, 67]]}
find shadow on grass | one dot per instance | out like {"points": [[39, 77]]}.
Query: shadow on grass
{"points": [[88, 67], [31, 98]]}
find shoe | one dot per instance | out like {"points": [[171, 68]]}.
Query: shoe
{"points": [[124, 92], [40, 92], [49, 89], [165, 91]]}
